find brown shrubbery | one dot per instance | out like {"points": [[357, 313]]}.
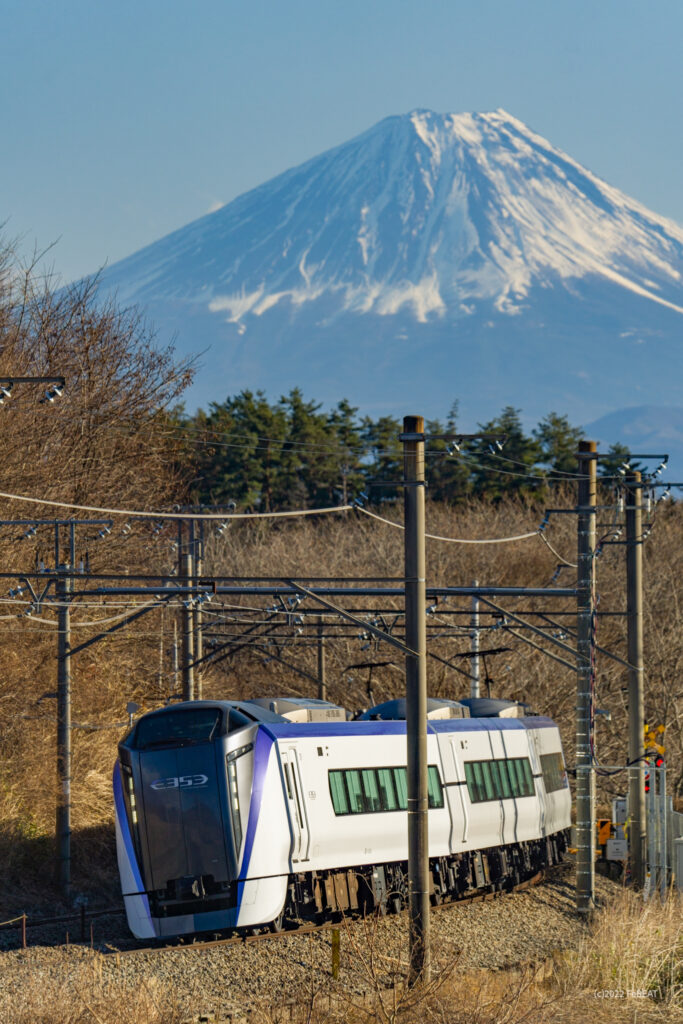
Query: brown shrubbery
{"points": [[105, 443], [358, 546], [627, 969]]}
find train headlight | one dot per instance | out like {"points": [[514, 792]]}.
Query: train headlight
{"points": [[128, 775], [234, 754]]}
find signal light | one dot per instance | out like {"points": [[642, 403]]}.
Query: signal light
{"points": [[656, 761]]}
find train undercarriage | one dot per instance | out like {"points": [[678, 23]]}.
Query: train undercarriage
{"points": [[317, 896]]}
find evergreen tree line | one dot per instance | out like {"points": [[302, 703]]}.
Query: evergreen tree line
{"points": [[290, 453]]}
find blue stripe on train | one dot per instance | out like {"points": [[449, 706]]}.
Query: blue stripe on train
{"points": [[312, 730], [120, 806]]}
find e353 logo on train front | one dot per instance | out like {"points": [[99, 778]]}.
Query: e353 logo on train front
{"points": [[180, 782]]}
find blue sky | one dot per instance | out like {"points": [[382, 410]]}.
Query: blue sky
{"points": [[124, 121]]}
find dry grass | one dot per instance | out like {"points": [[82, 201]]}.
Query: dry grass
{"points": [[632, 948], [135, 665], [627, 969], [81, 994]]}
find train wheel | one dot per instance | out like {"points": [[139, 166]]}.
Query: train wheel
{"points": [[278, 924]]}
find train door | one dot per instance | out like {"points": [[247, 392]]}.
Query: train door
{"points": [[497, 749], [456, 800], [296, 804], [538, 779]]}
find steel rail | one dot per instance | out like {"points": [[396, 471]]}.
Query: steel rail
{"points": [[308, 929]]}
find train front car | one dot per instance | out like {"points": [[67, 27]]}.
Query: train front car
{"points": [[183, 786]]}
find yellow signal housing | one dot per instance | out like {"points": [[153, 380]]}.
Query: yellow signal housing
{"points": [[604, 830]]}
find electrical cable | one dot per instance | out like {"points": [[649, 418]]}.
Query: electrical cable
{"points": [[177, 515], [450, 540], [81, 625], [569, 565]]}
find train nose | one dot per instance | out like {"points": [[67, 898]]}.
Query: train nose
{"points": [[185, 831]]}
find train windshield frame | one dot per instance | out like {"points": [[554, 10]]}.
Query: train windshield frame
{"points": [[182, 727]]}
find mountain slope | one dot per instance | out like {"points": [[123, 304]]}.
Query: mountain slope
{"points": [[432, 257], [651, 429]]}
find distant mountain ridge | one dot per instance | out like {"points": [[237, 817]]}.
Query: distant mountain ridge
{"points": [[431, 257], [645, 429]]}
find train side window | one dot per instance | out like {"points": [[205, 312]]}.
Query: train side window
{"points": [[554, 775], [288, 780], [387, 791], [495, 776], [479, 776], [370, 790], [518, 771], [488, 781], [374, 790], [340, 802], [237, 720], [514, 779], [401, 780], [522, 769], [479, 791], [353, 783], [505, 787], [435, 789], [471, 785]]}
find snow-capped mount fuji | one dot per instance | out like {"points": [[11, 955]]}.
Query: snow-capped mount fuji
{"points": [[432, 257]]}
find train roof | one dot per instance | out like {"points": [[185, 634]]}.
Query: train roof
{"points": [[192, 721]]}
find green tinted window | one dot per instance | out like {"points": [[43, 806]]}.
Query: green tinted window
{"points": [[387, 790], [498, 779], [371, 790], [354, 787], [495, 776], [338, 793], [521, 777], [401, 782], [435, 790], [516, 767], [506, 788], [488, 781]]}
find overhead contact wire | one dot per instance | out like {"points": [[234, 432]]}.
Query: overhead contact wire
{"points": [[452, 540], [220, 516]]}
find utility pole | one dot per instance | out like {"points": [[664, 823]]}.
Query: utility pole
{"points": [[188, 638], [196, 547], [636, 681], [63, 586], [174, 653], [322, 680], [585, 774], [416, 695], [474, 644]]}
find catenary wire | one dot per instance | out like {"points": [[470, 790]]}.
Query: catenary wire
{"points": [[452, 540], [220, 516]]}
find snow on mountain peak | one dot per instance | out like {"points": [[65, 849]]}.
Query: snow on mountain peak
{"points": [[429, 213], [518, 275]]}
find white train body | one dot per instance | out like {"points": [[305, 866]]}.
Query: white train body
{"points": [[228, 831]]}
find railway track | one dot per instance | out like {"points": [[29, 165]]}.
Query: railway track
{"points": [[308, 929]]}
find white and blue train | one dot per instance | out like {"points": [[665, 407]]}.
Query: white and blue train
{"points": [[242, 814]]}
